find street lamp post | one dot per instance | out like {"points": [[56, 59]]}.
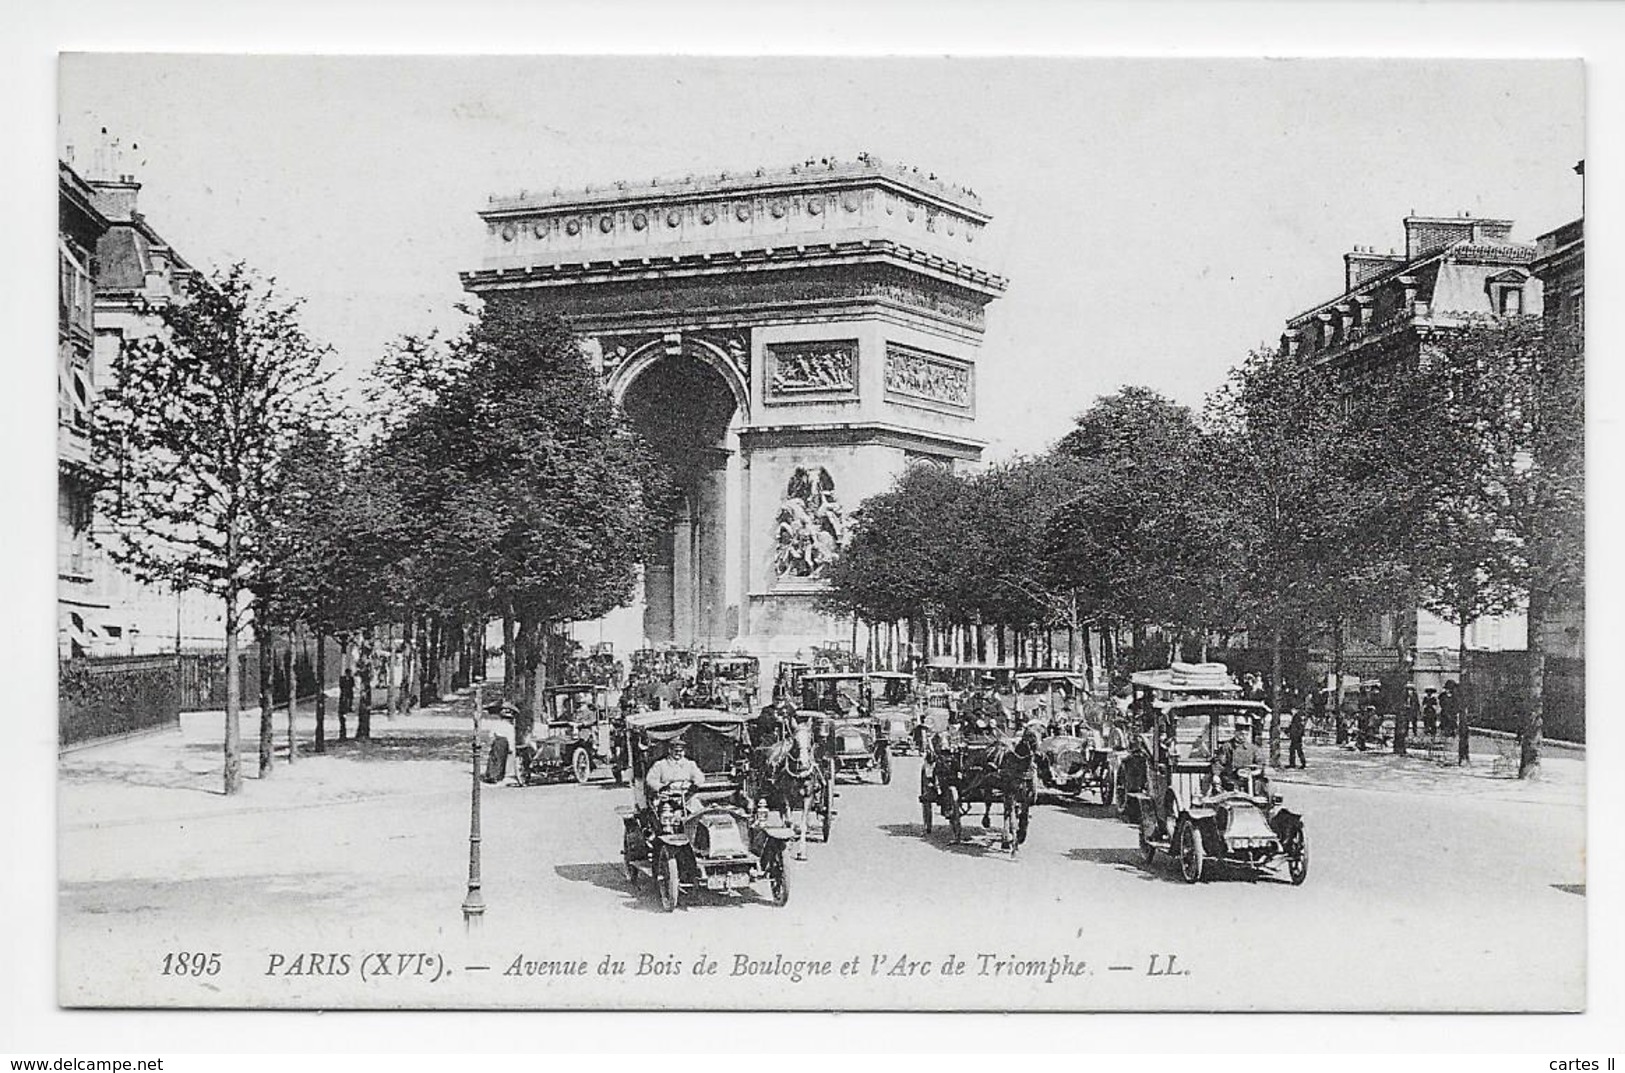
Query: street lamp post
{"points": [[474, 902]]}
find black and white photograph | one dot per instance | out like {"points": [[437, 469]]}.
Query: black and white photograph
{"points": [[872, 533]]}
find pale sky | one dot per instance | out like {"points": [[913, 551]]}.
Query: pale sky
{"points": [[1156, 218]]}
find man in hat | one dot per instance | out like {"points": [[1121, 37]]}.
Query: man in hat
{"points": [[1294, 736], [674, 768], [1236, 757], [1430, 712]]}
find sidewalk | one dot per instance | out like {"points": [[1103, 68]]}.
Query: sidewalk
{"points": [[177, 774], [1491, 772]]}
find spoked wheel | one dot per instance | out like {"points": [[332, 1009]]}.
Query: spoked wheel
{"points": [[581, 765], [885, 767], [1192, 857], [778, 873], [1297, 859], [1148, 850], [632, 875], [668, 881]]}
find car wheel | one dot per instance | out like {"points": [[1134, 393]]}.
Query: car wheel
{"points": [[1297, 859], [885, 767], [581, 765], [1192, 856], [1108, 790], [779, 875], [632, 875], [1148, 851], [669, 881]]}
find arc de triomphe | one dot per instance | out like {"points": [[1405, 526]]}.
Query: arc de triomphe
{"points": [[789, 340]]}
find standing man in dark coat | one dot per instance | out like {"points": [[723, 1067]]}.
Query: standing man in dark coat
{"points": [[1294, 736]]}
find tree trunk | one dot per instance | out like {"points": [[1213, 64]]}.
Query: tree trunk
{"points": [[1275, 697], [1402, 711], [522, 648], [321, 691], [262, 631], [293, 703], [1337, 682], [1462, 691], [1137, 638], [347, 662], [363, 693], [234, 685], [1534, 719], [391, 686], [1108, 655]]}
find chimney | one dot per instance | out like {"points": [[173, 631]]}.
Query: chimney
{"points": [[116, 197], [1364, 263], [1425, 234]]}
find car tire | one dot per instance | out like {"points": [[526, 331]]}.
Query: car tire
{"points": [[669, 882], [1192, 854], [1297, 859], [581, 766], [885, 767], [1148, 850], [778, 874]]}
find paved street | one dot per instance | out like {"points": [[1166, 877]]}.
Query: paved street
{"points": [[1425, 881]]}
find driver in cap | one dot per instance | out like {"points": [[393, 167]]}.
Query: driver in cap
{"points": [[1234, 758], [674, 767]]}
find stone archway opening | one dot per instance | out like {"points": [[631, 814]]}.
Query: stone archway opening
{"points": [[687, 411]]}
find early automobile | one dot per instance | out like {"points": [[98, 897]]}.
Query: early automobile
{"points": [[1072, 751], [787, 681], [849, 737], [1203, 817], [580, 738], [726, 680], [690, 836], [899, 710], [1152, 692]]}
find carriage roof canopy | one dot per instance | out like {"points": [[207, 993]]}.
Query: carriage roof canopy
{"points": [[1189, 677], [674, 717]]}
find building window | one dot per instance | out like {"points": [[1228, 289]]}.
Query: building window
{"points": [[1509, 301]]}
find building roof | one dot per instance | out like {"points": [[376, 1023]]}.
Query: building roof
{"points": [[129, 251]]}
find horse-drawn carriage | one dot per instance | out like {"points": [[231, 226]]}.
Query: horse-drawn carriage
{"points": [[978, 762], [788, 776], [1200, 818], [705, 835], [580, 738], [850, 740]]}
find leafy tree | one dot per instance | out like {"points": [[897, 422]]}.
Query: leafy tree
{"points": [[523, 491], [199, 422], [1137, 543], [1509, 486]]}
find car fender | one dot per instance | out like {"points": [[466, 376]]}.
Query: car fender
{"points": [[674, 841], [1201, 813]]}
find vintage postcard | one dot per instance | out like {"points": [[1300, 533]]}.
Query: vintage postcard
{"points": [[812, 533]]}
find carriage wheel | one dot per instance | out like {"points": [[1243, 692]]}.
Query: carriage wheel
{"points": [[1148, 851], [779, 874], [668, 881], [885, 766], [1192, 857], [951, 807], [828, 811]]}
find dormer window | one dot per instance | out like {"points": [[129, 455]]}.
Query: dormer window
{"points": [[1506, 293]]}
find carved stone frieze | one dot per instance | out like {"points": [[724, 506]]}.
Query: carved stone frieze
{"points": [[819, 367], [932, 378]]}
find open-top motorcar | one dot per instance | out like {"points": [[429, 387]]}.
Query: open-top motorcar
{"points": [[787, 678], [849, 736], [1073, 751], [580, 737], [690, 837], [899, 710], [726, 680], [1186, 811]]}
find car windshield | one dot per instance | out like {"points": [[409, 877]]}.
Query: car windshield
{"points": [[1198, 732], [896, 690]]}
